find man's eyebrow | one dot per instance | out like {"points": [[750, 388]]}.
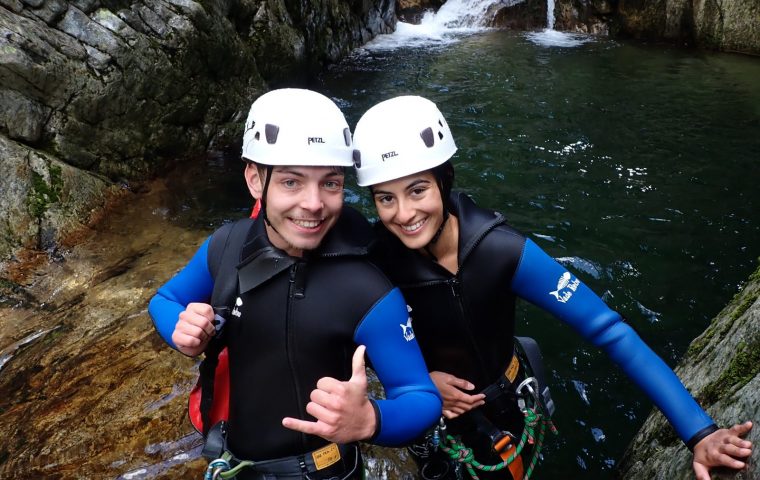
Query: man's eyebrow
{"points": [[288, 171], [291, 171]]}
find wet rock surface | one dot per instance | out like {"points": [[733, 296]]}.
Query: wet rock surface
{"points": [[722, 370], [88, 388]]}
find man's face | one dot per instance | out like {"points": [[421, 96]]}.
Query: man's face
{"points": [[302, 204]]}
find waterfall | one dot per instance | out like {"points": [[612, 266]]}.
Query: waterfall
{"points": [[456, 18], [550, 14], [549, 37], [457, 14]]}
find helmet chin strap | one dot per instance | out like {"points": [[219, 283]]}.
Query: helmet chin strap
{"points": [[444, 203], [264, 191], [437, 233], [440, 229]]}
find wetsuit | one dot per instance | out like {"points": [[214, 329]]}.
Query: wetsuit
{"points": [[299, 319], [465, 321]]}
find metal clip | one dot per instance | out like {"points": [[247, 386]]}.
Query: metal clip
{"points": [[532, 385], [215, 468], [439, 433]]}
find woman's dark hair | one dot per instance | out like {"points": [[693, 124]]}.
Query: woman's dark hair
{"points": [[444, 176]]}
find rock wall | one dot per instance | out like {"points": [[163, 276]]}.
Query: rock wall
{"points": [[722, 370], [100, 92], [520, 15], [411, 11], [730, 25]]}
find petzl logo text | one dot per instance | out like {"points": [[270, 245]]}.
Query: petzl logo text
{"points": [[388, 155], [315, 140]]}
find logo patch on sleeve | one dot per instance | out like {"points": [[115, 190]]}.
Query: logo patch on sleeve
{"points": [[566, 286], [407, 330]]}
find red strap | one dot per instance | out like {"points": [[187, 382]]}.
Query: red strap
{"points": [[220, 408], [256, 209]]}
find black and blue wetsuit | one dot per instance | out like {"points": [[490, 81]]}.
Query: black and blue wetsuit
{"points": [[297, 320], [465, 321]]}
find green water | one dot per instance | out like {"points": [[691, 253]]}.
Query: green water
{"points": [[636, 166]]}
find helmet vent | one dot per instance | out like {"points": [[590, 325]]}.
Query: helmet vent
{"points": [[271, 132], [347, 136], [440, 122], [427, 137], [357, 159], [440, 135]]}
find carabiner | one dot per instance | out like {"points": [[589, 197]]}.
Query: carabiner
{"points": [[531, 383], [215, 468]]}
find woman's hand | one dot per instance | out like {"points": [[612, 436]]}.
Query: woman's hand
{"points": [[722, 448], [455, 400]]}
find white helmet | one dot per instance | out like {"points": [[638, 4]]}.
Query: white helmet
{"points": [[399, 137], [292, 126]]}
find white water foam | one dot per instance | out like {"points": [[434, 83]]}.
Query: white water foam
{"points": [[454, 19], [552, 38]]}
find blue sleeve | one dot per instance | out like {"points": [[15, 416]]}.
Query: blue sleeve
{"points": [[412, 402], [547, 284], [191, 284]]}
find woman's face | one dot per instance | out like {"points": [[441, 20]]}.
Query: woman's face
{"points": [[411, 208]]}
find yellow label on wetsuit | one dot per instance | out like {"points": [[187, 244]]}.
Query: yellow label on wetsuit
{"points": [[326, 456], [512, 369]]}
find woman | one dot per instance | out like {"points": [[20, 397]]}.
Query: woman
{"points": [[461, 269]]}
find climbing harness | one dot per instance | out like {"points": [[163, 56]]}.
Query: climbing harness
{"points": [[535, 423], [448, 455], [308, 465]]}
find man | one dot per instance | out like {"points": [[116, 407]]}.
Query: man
{"points": [[306, 297]]}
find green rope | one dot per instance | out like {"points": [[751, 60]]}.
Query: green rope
{"points": [[459, 452]]}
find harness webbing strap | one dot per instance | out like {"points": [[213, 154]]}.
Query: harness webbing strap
{"points": [[224, 252], [515, 466]]}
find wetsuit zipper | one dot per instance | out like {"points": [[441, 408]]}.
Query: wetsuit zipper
{"points": [[293, 292], [456, 290]]}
